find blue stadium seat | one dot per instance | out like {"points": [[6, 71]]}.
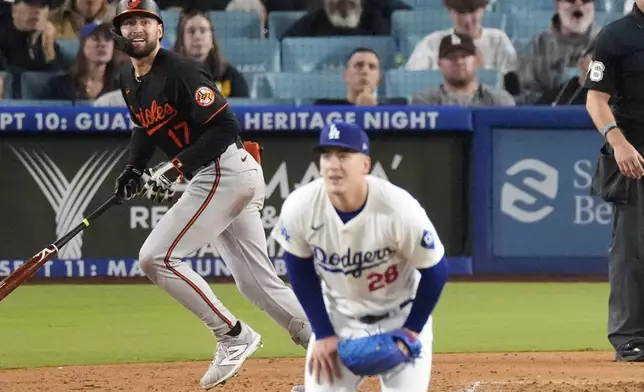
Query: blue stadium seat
{"points": [[170, 20], [528, 24], [69, 48], [35, 102], [261, 102], [418, 4], [408, 43], [7, 83], [236, 24], [425, 21], [33, 83], [490, 77], [252, 55], [604, 18], [330, 53], [401, 83], [280, 21], [291, 85]]}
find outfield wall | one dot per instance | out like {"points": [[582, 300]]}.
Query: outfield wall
{"points": [[507, 189]]}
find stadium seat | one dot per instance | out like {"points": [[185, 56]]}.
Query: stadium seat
{"points": [[261, 102], [7, 84], [252, 55], [32, 83], [35, 102], [418, 4], [527, 24], [425, 21], [290, 85], [280, 21], [604, 18], [401, 83], [490, 77], [69, 48], [330, 53], [529, 5], [236, 24], [408, 43], [170, 20]]}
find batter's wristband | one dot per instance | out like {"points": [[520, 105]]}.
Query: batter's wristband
{"points": [[178, 165], [607, 128]]}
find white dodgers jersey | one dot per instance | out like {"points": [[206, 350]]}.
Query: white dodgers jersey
{"points": [[368, 265]]}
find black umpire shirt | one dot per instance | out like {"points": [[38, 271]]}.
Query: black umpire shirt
{"points": [[617, 69], [177, 107]]}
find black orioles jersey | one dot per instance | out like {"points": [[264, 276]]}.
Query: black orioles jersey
{"points": [[617, 69], [177, 107]]}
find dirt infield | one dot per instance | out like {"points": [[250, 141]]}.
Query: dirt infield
{"points": [[525, 372]]}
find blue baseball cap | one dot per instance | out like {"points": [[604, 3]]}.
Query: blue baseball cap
{"points": [[344, 135], [93, 28]]}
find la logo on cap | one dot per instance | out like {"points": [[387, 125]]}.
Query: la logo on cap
{"points": [[334, 133]]}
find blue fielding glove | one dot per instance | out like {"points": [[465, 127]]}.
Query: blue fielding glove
{"points": [[377, 354]]}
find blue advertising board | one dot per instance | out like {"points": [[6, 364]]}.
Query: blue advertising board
{"points": [[541, 202]]}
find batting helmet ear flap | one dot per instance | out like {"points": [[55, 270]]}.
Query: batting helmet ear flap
{"points": [[120, 42]]}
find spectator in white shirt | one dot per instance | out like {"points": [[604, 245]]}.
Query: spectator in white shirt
{"points": [[494, 44]]}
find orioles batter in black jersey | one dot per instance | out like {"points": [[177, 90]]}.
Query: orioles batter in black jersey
{"points": [[176, 106], [615, 100]]}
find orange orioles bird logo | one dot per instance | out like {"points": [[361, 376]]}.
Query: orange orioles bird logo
{"points": [[133, 3], [204, 96]]}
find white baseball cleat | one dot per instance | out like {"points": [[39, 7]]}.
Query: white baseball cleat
{"points": [[298, 388], [231, 353]]}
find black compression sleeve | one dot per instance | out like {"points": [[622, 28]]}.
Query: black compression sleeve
{"points": [[141, 149]]}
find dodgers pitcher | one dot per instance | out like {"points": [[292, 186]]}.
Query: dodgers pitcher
{"points": [[358, 250]]}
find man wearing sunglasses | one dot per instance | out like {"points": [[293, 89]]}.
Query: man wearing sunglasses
{"points": [[617, 70], [552, 51]]}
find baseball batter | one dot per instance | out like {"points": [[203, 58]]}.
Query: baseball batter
{"points": [[176, 106], [363, 258]]}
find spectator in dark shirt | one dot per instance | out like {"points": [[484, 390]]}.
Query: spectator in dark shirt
{"points": [[28, 43], [571, 92], [362, 75], [94, 72], [347, 17], [196, 39]]}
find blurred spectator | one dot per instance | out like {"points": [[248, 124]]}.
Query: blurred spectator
{"points": [[110, 99], [255, 6], [572, 92], [362, 75], [494, 44], [196, 39], [94, 72], [70, 18], [2, 87], [554, 50], [28, 43], [459, 61], [347, 17], [628, 6]]}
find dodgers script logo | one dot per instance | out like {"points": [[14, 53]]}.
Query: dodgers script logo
{"points": [[351, 262], [69, 197], [520, 203]]}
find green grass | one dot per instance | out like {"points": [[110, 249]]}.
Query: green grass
{"points": [[89, 324]]}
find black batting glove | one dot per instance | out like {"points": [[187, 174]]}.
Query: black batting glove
{"points": [[129, 183]]}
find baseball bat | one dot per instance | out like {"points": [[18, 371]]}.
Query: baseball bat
{"points": [[31, 266]]}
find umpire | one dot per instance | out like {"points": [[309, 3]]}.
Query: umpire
{"points": [[616, 74]]}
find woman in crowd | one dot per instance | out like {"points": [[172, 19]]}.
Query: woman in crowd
{"points": [[72, 15], [94, 72], [196, 39]]}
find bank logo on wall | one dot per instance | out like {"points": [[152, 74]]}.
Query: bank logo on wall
{"points": [[528, 200], [69, 197]]}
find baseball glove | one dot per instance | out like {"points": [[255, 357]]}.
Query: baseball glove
{"points": [[376, 354]]}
